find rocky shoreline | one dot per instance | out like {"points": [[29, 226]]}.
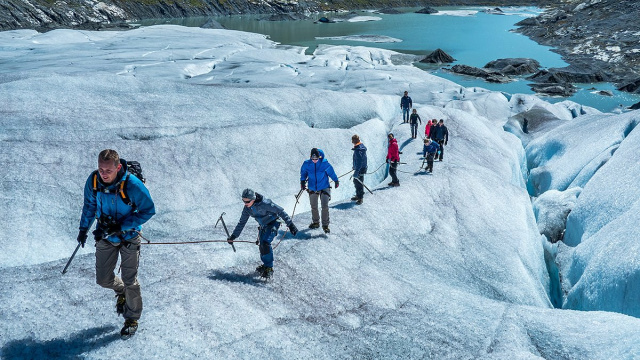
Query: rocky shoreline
{"points": [[600, 39]]}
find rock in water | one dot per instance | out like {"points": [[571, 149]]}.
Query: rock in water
{"points": [[212, 24], [489, 76], [427, 10], [438, 57], [514, 66], [389, 11], [632, 86]]}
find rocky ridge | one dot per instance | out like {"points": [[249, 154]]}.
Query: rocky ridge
{"points": [[599, 38], [43, 15]]}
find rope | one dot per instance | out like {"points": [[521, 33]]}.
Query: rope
{"points": [[148, 242], [293, 213]]}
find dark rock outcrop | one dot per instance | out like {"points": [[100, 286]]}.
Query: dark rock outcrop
{"points": [[569, 74], [494, 11], [514, 66], [212, 24], [635, 106], [598, 34], [438, 57], [564, 90], [388, 10], [487, 75], [285, 17], [605, 93], [632, 86], [427, 10]]}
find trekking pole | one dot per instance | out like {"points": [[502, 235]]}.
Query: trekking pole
{"points": [[365, 186], [225, 230], [71, 258], [293, 213]]}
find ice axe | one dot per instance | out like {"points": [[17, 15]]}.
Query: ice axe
{"points": [[71, 258], [365, 186], [225, 229]]}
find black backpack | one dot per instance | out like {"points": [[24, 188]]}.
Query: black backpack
{"points": [[134, 168]]}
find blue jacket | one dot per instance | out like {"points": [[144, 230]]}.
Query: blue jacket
{"points": [[101, 203], [440, 133], [359, 159], [431, 148], [264, 211], [405, 102], [318, 173]]}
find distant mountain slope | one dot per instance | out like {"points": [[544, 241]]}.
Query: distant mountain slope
{"points": [[49, 14]]}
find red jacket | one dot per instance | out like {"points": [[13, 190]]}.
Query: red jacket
{"points": [[393, 152], [427, 129]]}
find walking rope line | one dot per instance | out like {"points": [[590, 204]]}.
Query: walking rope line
{"points": [[148, 242], [293, 213]]}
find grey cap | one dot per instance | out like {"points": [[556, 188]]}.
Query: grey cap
{"points": [[248, 194]]}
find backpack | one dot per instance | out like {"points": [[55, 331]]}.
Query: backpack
{"points": [[134, 168]]}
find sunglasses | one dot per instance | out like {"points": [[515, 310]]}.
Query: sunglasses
{"points": [[246, 201]]}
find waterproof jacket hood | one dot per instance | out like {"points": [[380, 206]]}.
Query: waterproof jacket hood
{"points": [[317, 174], [432, 148]]}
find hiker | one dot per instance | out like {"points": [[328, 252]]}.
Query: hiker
{"points": [[413, 121], [359, 168], [314, 177], [429, 152], [266, 214], [121, 204], [441, 136], [393, 157], [405, 105], [427, 128], [432, 129]]}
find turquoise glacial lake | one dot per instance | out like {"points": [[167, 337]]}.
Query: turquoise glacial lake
{"points": [[470, 35]]}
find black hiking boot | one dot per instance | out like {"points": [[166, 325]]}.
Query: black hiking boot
{"points": [[359, 201], [355, 198], [314, 225], [326, 229], [267, 273], [260, 269], [121, 301], [129, 329]]}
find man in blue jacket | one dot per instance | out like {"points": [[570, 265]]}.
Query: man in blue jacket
{"points": [[266, 214], [405, 105], [429, 152], [359, 167], [121, 204], [314, 175]]}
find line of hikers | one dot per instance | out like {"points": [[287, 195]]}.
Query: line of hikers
{"points": [[116, 198]]}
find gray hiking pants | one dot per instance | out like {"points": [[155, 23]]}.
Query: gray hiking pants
{"points": [[106, 259], [325, 196]]}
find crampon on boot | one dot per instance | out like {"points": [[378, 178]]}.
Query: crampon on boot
{"points": [[129, 329]]}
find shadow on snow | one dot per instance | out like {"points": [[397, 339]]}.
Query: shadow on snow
{"points": [[72, 348]]}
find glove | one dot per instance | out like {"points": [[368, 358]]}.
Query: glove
{"points": [[400, 152], [446, 142], [303, 185], [113, 229], [98, 234], [231, 238], [387, 161], [293, 229], [82, 237], [337, 184]]}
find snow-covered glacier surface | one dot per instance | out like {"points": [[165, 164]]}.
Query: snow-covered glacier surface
{"points": [[448, 265]]}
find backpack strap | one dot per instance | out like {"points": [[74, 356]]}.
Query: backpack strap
{"points": [[95, 181], [123, 192]]}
